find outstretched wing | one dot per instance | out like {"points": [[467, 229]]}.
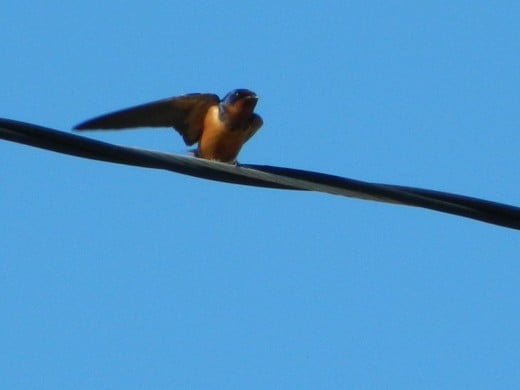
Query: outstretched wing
{"points": [[184, 113]]}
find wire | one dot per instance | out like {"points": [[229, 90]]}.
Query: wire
{"points": [[260, 175]]}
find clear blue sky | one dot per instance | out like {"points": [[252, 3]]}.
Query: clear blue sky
{"points": [[121, 277]]}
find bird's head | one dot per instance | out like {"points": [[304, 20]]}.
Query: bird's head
{"points": [[240, 100]]}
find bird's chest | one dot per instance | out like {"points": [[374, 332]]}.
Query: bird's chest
{"points": [[218, 141]]}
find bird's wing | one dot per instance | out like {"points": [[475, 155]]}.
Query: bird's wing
{"points": [[184, 113], [256, 123]]}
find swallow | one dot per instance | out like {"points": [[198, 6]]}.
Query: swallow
{"points": [[219, 126]]}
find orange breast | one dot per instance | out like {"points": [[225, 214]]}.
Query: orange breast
{"points": [[217, 142]]}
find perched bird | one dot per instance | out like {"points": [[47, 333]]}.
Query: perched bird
{"points": [[220, 127]]}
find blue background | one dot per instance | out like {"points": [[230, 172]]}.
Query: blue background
{"points": [[120, 277]]}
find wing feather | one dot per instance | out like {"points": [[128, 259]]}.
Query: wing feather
{"points": [[184, 113]]}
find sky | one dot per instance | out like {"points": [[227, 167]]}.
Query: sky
{"points": [[122, 277]]}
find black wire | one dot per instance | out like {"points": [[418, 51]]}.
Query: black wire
{"points": [[260, 175]]}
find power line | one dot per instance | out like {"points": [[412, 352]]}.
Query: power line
{"points": [[260, 175]]}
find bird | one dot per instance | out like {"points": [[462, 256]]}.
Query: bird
{"points": [[219, 126]]}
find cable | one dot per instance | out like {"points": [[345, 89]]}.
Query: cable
{"points": [[260, 175]]}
